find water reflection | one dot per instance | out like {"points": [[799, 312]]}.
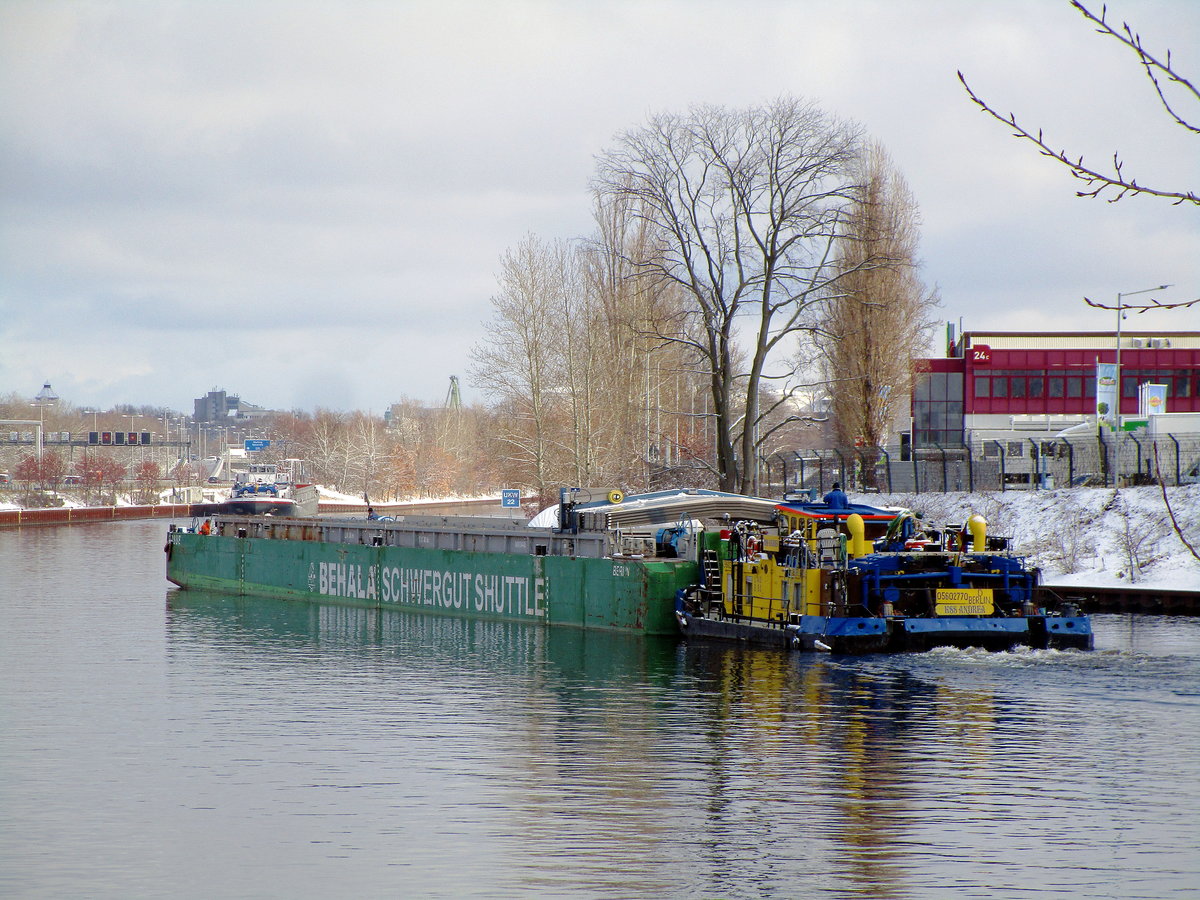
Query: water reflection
{"points": [[222, 746], [646, 761]]}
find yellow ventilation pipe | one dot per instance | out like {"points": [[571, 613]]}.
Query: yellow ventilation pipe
{"points": [[858, 540], [978, 526]]}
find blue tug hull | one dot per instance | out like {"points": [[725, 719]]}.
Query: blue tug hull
{"points": [[860, 635]]}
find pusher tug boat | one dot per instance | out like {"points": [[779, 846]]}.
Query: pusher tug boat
{"points": [[861, 579]]}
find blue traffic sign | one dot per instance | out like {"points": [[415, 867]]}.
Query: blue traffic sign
{"points": [[511, 498], [257, 444]]}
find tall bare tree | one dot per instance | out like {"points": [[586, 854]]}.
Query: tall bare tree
{"points": [[881, 315], [648, 414], [744, 207], [520, 364], [588, 396], [325, 447]]}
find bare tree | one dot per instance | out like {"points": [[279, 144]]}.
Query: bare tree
{"points": [[368, 451], [103, 472], [1159, 72], [520, 363], [324, 447], [648, 414], [881, 316], [586, 397], [147, 476], [743, 208]]}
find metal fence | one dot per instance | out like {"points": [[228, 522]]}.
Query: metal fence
{"points": [[1014, 463]]}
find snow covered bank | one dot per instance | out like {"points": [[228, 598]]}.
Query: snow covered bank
{"points": [[329, 495], [1083, 536]]}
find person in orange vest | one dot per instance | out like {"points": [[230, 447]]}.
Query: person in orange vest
{"points": [[206, 528]]}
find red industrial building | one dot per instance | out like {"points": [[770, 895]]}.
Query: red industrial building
{"points": [[996, 381]]}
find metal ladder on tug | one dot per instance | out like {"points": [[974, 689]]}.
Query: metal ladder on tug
{"points": [[710, 574]]}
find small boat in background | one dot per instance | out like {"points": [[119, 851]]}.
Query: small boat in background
{"points": [[268, 489]]}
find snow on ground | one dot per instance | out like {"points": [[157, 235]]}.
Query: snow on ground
{"points": [[67, 501], [331, 496], [1083, 536]]}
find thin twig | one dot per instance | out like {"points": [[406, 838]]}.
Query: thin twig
{"points": [[1167, 503], [1142, 307]]}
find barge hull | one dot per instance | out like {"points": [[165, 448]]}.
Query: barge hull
{"points": [[627, 595]]}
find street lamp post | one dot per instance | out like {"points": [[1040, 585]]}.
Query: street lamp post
{"points": [[1120, 386], [1120, 315], [132, 461], [45, 397]]}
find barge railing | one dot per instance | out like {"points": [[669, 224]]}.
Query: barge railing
{"points": [[461, 533]]}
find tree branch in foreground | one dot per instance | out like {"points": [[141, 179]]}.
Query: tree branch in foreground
{"points": [[1157, 71], [1153, 66], [1142, 307]]}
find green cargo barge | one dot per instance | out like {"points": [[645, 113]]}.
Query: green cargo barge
{"points": [[470, 566]]}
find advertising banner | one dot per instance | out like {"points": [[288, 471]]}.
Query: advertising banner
{"points": [[1106, 394], [1152, 399]]}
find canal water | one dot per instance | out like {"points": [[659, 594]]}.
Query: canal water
{"points": [[156, 742]]}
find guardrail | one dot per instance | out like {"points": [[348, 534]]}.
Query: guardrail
{"points": [[420, 507], [78, 515], [1018, 462], [71, 515]]}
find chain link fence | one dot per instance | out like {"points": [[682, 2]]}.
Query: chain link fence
{"points": [[1014, 463]]}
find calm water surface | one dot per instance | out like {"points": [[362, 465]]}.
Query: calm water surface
{"points": [[156, 742]]}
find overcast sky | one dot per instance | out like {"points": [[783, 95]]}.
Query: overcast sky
{"points": [[306, 203]]}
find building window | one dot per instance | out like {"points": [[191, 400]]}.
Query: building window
{"points": [[983, 387], [938, 410], [1036, 384], [1057, 387]]}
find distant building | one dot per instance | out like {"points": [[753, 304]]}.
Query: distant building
{"points": [[1000, 381], [220, 407], [216, 406]]}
